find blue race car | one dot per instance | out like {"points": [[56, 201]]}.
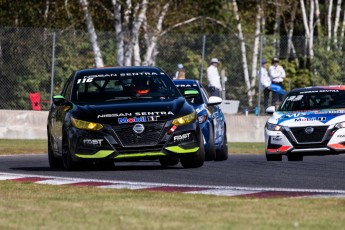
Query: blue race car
{"points": [[210, 116]]}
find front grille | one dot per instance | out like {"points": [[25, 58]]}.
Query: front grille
{"points": [[149, 137], [301, 136]]}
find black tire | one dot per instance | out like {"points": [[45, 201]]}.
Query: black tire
{"points": [[211, 150], [67, 160], [271, 157], [295, 157], [54, 162], [167, 161], [222, 153], [196, 161]]}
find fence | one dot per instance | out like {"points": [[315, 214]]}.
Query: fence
{"points": [[40, 60]]}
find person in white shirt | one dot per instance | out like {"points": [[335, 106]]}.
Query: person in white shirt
{"points": [[265, 81], [277, 75], [213, 77]]}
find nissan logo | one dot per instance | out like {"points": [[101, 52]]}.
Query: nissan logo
{"points": [[138, 128], [309, 130]]}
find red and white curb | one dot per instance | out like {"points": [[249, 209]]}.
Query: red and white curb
{"points": [[207, 190]]}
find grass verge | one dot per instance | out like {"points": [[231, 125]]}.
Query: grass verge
{"points": [[33, 206], [9, 146]]}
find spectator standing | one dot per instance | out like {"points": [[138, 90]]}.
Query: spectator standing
{"points": [[213, 77], [277, 75], [180, 73], [265, 81]]}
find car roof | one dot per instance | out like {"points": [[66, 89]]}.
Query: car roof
{"points": [[117, 68], [186, 81], [311, 88]]}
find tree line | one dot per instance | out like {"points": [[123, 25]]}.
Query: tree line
{"points": [[139, 25]]}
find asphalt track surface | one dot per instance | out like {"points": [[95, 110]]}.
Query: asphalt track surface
{"points": [[323, 172]]}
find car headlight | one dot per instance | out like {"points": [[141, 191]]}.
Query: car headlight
{"points": [[340, 125], [202, 118], [273, 127], [85, 124], [189, 118]]}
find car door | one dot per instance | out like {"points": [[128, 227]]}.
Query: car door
{"points": [[57, 117], [217, 118]]}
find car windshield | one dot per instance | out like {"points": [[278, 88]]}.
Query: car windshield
{"points": [[194, 99], [314, 100], [100, 88]]}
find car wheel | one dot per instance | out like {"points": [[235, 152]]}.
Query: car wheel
{"points": [[67, 160], [165, 162], [295, 157], [211, 150], [222, 153], [54, 162], [272, 157], [196, 161]]}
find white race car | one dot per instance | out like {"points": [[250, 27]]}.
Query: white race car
{"points": [[310, 121]]}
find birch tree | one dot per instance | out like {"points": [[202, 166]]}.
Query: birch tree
{"points": [[92, 34], [243, 53], [257, 33], [336, 23], [289, 28], [329, 24], [342, 32]]}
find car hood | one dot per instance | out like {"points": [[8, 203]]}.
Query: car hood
{"points": [[307, 118], [133, 112]]}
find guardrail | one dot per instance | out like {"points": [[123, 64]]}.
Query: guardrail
{"points": [[29, 124]]}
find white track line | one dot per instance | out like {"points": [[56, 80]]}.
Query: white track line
{"points": [[204, 189]]}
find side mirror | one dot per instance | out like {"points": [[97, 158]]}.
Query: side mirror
{"points": [[58, 100], [270, 110], [214, 100]]}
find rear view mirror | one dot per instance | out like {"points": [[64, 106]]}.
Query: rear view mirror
{"points": [[213, 100], [58, 100]]}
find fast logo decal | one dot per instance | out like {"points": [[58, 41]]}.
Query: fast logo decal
{"points": [[182, 137], [93, 142], [132, 119]]}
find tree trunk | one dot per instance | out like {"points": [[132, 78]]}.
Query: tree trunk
{"points": [[92, 35], [135, 32], [329, 25], [276, 27], [257, 33], [336, 23], [311, 29], [153, 38], [243, 52], [118, 32], [318, 21], [289, 30], [342, 32]]}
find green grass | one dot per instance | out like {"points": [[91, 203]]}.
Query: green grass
{"points": [[33, 206], [9, 146]]}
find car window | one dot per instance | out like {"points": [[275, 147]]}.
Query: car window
{"points": [[195, 99], [66, 91], [110, 87], [314, 100]]}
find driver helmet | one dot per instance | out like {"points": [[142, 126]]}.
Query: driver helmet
{"points": [[141, 85]]}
